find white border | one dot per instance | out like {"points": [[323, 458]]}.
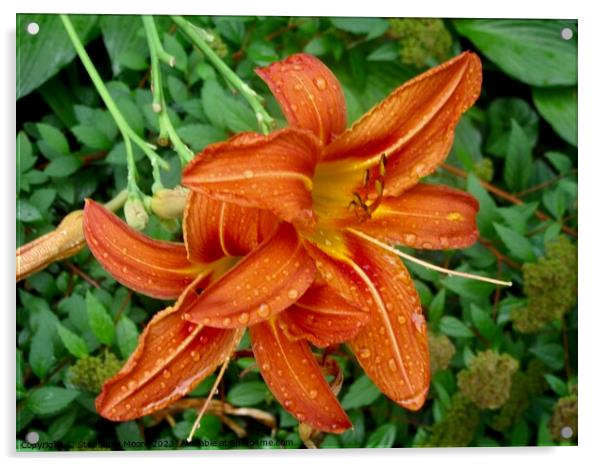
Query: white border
{"points": [[590, 197]]}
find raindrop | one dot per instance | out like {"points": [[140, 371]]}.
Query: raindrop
{"points": [[364, 353], [243, 318], [401, 319], [392, 365], [320, 83], [227, 321], [248, 174], [293, 294], [313, 394], [195, 355], [264, 310]]}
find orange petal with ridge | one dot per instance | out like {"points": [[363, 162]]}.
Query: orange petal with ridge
{"points": [[272, 172], [392, 347], [264, 283], [290, 370], [426, 216], [413, 126], [172, 357], [213, 228], [155, 268], [322, 317], [309, 94]]}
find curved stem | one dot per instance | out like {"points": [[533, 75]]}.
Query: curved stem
{"points": [[166, 128], [200, 37], [126, 131]]}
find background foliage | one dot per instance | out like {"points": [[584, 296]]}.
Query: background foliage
{"points": [[504, 360]]}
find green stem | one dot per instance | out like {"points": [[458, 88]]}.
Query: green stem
{"points": [[200, 37], [118, 201], [166, 128], [126, 131]]}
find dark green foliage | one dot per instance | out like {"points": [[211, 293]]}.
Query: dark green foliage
{"points": [[512, 351]]}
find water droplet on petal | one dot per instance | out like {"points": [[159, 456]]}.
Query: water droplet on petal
{"points": [[293, 294], [264, 310], [248, 174], [313, 394], [364, 353], [227, 321], [320, 83], [392, 365], [401, 319], [243, 318], [195, 355]]}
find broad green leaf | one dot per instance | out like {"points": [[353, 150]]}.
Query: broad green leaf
{"points": [[27, 212], [500, 114], [483, 322], [487, 213], [362, 392], [354, 438], [383, 437], [130, 436], [558, 106], [42, 55], [454, 327], [248, 393], [532, 51], [91, 136], [59, 427], [518, 245], [25, 157], [64, 166], [127, 336], [519, 436], [49, 400], [213, 97], [386, 52], [175, 49], [373, 27], [41, 352], [177, 89], [555, 202], [437, 307], [557, 384], [560, 161], [262, 53], [551, 354], [470, 289], [42, 199], [99, 319], [74, 343], [54, 139], [199, 136], [123, 39], [519, 161]]}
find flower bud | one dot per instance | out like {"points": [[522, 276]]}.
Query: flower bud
{"points": [[169, 203], [135, 213]]}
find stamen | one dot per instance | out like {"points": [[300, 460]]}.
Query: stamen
{"points": [[212, 393], [425, 264]]}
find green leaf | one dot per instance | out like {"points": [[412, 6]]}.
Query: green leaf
{"points": [[25, 157], [175, 49], [354, 438], [177, 89], [558, 106], [518, 245], [53, 138], [74, 344], [386, 52], [437, 307], [483, 322], [532, 51], [127, 336], [130, 436], [27, 212], [50, 400], [41, 352], [373, 27], [362, 392], [199, 136], [248, 393], [557, 384], [41, 56], [262, 53], [42, 199], [213, 97], [99, 319], [383, 437], [126, 46], [487, 208], [91, 136], [551, 354], [64, 166], [500, 114], [454, 327], [59, 427], [519, 161], [470, 289], [561, 162]]}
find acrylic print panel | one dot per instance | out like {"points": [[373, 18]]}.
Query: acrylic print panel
{"points": [[274, 232]]}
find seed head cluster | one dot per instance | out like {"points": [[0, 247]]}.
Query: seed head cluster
{"points": [[441, 350], [421, 40], [90, 372]]}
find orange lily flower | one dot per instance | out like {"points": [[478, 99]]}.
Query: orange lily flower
{"points": [[174, 354], [350, 194]]}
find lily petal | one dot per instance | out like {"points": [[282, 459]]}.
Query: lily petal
{"points": [[290, 370], [426, 216], [213, 228], [172, 356], [392, 347], [264, 283], [322, 317], [413, 127], [155, 268], [309, 94], [271, 172]]}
